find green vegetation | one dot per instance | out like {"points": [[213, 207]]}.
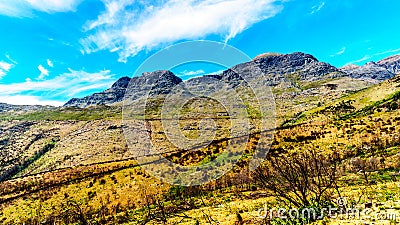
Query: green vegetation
{"points": [[80, 171]]}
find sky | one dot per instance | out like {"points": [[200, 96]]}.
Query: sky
{"points": [[52, 50]]}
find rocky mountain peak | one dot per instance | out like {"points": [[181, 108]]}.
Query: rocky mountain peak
{"points": [[303, 65], [281, 69], [392, 64], [160, 82], [379, 71], [300, 56], [160, 77], [390, 59], [371, 63], [293, 59], [265, 55], [121, 83], [349, 67]]}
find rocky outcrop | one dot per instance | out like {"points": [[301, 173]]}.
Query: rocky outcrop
{"points": [[159, 82], [114, 94], [392, 64], [305, 66], [370, 70], [279, 68], [155, 83]]}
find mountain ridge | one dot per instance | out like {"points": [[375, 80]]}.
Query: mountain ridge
{"points": [[280, 69]]}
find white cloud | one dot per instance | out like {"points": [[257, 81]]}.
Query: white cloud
{"points": [[28, 100], [129, 26], [4, 68], [50, 63], [25, 8], [317, 8], [188, 74], [363, 59], [66, 85], [53, 5], [340, 52], [43, 72]]}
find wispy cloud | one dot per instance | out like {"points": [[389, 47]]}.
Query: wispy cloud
{"points": [[25, 8], [11, 60], [50, 63], [340, 52], [43, 72], [129, 26], [66, 86], [188, 74], [53, 5], [317, 8], [363, 59], [4, 68], [392, 51]]}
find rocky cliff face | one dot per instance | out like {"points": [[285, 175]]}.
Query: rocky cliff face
{"points": [[392, 64], [279, 68], [382, 70], [114, 94], [160, 82], [370, 70], [305, 66], [154, 83]]}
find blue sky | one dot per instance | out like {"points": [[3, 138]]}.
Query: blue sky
{"points": [[51, 50]]}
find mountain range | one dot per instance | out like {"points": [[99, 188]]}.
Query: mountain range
{"points": [[287, 71]]}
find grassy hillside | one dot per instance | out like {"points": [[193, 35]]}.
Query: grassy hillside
{"points": [[80, 171]]}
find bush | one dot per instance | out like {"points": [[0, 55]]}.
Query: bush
{"points": [[302, 180]]}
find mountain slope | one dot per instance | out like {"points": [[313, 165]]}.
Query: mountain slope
{"points": [[68, 165], [92, 170]]}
